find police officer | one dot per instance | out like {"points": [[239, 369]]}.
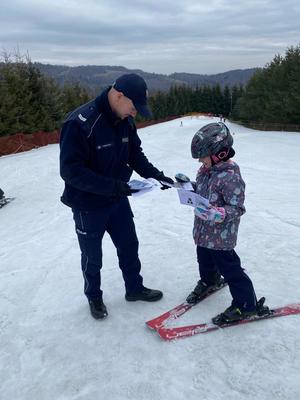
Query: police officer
{"points": [[100, 149]]}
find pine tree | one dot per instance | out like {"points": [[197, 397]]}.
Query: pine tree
{"points": [[218, 100], [29, 101], [226, 101], [273, 94], [73, 96]]}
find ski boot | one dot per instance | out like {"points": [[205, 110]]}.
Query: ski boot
{"points": [[234, 314], [202, 289]]}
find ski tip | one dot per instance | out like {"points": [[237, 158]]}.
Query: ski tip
{"points": [[152, 327]]}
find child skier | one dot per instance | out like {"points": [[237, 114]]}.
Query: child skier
{"points": [[216, 227]]}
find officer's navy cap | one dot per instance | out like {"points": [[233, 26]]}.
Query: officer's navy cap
{"points": [[134, 87]]}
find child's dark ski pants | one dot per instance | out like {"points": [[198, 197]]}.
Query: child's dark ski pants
{"points": [[228, 263]]}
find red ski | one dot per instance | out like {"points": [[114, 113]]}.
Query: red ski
{"points": [[177, 311], [191, 330]]}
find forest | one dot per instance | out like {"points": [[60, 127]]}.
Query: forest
{"points": [[31, 101]]}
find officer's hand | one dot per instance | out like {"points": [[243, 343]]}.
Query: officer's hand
{"points": [[162, 178], [123, 189]]}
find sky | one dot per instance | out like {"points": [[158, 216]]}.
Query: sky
{"points": [[52, 349], [161, 37]]}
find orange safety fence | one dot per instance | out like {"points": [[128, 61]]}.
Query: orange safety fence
{"points": [[22, 142]]}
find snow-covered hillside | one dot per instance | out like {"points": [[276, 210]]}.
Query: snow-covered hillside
{"points": [[52, 349]]}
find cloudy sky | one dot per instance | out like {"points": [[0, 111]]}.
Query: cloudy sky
{"points": [[163, 36]]}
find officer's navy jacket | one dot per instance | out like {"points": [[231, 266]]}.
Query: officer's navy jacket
{"points": [[97, 150]]}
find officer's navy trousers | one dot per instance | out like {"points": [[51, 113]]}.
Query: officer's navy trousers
{"points": [[117, 220]]}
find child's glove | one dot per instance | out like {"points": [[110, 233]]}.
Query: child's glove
{"points": [[215, 214], [181, 178]]}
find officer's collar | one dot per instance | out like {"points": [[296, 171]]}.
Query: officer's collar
{"points": [[102, 103]]}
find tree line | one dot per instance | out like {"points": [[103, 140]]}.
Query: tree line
{"points": [[30, 101], [180, 100]]}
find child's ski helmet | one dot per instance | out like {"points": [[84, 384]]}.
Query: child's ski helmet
{"points": [[210, 139]]}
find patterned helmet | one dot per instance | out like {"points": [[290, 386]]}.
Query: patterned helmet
{"points": [[210, 139]]}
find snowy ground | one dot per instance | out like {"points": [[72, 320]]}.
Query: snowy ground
{"points": [[52, 349]]}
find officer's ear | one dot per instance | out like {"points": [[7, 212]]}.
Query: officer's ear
{"points": [[115, 94], [119, 95], [114, 98]]}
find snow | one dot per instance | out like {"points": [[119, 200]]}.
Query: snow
{"points": [[51, 348]]}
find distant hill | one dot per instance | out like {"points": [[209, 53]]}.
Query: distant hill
{"points": [[96, 77], [230, 78]]}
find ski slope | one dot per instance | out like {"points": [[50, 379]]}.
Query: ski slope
{"points": [[52, 349]]}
